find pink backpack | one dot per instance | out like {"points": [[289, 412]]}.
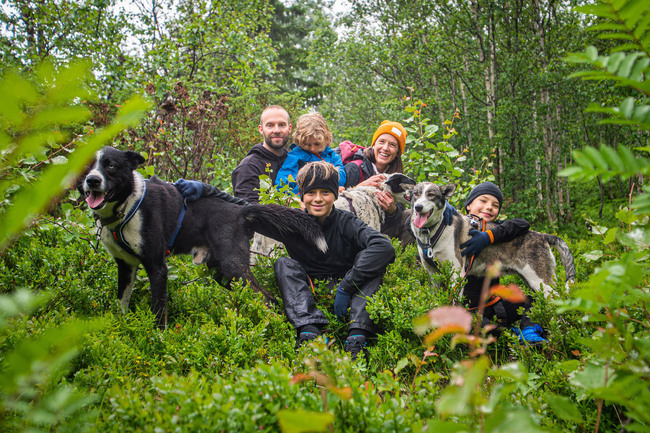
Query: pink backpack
{"points": [[348, 150]]}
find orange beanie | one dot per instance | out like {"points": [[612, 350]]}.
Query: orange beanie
{"points": [[393, 128]]}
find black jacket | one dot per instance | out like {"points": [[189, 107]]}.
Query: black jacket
{"points": [[356, 253], [245, 178], [353, 171], [504, 231]]}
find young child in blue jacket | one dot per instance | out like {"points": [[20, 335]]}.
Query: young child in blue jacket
{"points": [[312, 139], [485, 201]]}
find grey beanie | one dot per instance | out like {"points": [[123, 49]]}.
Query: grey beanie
{"points": [[484, 188]]}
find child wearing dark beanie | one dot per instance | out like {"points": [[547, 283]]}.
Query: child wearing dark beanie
{"points": [[355, 263], [485, 202]]}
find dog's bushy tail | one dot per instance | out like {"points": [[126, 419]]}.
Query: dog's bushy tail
{"points": [[565, 255], [282, 223]]}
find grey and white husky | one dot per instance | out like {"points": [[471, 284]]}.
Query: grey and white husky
{"points": [[528, 255]]}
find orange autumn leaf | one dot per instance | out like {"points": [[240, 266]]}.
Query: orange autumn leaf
{"points": [[511, 292], [321, 379], [450, 316], [343, 393], [300, 377], [442, 331]]}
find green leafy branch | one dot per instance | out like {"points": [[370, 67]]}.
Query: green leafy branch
{"points": [[35, 116], [608, 163], [627, 66], [622, 20], [438, 162]]}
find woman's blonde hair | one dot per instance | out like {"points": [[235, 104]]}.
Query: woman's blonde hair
{"points": [[312, 125]]}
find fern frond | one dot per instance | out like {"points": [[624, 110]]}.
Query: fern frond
{"points": [[606, 162], [641, 204], [627, 20]]}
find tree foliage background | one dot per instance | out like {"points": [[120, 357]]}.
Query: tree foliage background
{"points": [[487, 89], [212, 66]]}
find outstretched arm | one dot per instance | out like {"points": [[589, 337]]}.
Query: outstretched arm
{"points": [[376, 254], [192, 190], [508, 230], [500, 232]]}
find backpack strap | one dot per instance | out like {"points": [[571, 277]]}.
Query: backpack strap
{"points": [[362, 175], [478, 223]]}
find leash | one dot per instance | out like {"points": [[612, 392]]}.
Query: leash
{"points": [[352, 209], [433, 240], [179, 224], [478, 223], [118, 235], [493, 300]]}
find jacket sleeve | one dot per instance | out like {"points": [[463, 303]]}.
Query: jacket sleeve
{"points": [[213, 191], [289, 168], [376, 254], [505, 231], [392, 221], [337, 162], [245, 185], [352, 174]]}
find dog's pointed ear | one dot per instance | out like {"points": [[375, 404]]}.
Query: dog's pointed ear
{"points": [[135, 158], [448, 190]]}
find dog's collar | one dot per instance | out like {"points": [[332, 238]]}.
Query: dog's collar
{"points": [[111, 219], [117, 233], [427, 247]]}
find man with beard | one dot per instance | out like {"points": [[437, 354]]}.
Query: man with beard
{"points": [[275, 127]]}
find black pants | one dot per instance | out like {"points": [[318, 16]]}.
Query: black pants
{"points": [[506, 313], [503, 312], [299, 304]]}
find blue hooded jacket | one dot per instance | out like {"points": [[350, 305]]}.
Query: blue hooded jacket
{"points": [[298, 157]]}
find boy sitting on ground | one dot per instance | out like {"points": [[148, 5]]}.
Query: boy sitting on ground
{"points": [[312, 140], [356, 259], [484, 201]]}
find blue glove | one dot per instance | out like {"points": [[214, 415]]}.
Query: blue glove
{"points": [[190, 189], [341, 303], [531, 335], [448, 214], [475, 245]]}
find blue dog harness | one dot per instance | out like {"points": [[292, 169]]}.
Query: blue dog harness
{"points": [[118, 234]]}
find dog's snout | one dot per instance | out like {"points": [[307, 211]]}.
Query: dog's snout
{"points": [[93, 181], [418, 207]]}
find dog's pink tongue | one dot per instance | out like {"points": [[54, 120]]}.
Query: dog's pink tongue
{"points": [[420, 219], [94, 200]]}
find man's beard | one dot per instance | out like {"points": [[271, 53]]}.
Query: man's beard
{"points": [[269, 141]]}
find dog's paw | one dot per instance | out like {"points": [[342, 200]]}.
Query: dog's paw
{"points": [[200, 255]]}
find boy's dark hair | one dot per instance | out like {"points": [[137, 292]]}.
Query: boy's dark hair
{"points": [[319, 174]]}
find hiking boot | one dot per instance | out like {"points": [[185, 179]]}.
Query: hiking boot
{"points": [[306, 336], [531, 335], [355, 344]]}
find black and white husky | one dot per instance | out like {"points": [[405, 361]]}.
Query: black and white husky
{"points": [[528, 255], [142, 221]]}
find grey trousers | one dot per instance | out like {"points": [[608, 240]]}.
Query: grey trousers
{"points": [[299, 304]]}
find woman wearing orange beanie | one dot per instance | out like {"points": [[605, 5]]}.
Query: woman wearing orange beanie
{"points": [[369, 166], [384, 156]]}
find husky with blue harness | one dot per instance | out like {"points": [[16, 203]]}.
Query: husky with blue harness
{"points": [[143, 221], [528, 255]]}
